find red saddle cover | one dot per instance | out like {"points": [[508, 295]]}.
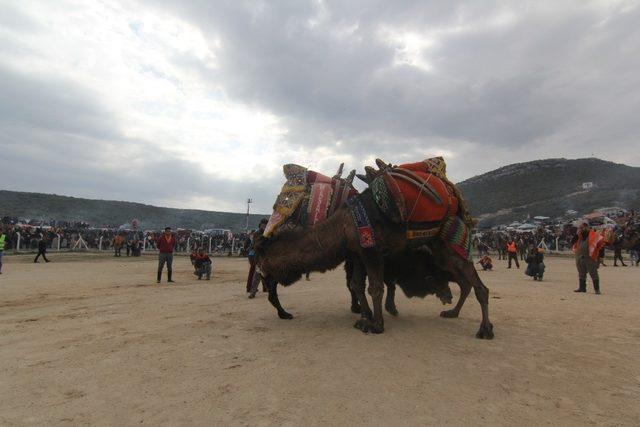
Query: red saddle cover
{"points": [[421, 207]]}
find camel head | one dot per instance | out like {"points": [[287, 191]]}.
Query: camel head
{"points": [[443, 291], [274, 256]]}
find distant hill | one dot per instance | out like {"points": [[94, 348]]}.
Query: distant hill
{"points": [[113, 213], [542, 187], [550, 188]]}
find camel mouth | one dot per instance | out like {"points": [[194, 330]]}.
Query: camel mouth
{"points": [[445, 295]]}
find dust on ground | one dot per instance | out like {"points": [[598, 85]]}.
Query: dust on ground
{"points": [[91, 339]]}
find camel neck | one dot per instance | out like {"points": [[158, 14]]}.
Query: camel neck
{"points": [[321, 248], [324, 246]]}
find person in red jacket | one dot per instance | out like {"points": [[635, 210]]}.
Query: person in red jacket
{"points": [[587, 246], [165, 244]]}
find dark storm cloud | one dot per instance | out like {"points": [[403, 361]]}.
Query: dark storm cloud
{"points": [[503, 82], [545, 73]]}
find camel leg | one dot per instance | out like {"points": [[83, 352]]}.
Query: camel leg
{"points": [[465, 289], [358, 284], [272, 287], [468, 274], [348, 268], [375, 271], [390, 300], [355, 305]]}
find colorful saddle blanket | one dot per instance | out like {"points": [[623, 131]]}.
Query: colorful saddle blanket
{"points": [[410, 193], [418, 192], [421, 196], [307, 198]]}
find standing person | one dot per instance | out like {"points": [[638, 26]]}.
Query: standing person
{"points": [[522, 248], [617, 252], [252, 260], [117, 243], [256, 278], [166, 243], [136, 247], [42, 249], [601, 253], [512, 251], [499, 242], [587, 245], [634, 254], [535, 262], [3, 241]]}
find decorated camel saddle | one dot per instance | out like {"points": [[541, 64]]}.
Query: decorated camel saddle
{"points": [[421, 196], [307, 198]]}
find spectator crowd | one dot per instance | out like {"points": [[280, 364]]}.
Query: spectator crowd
{"points": [[24, 236]]}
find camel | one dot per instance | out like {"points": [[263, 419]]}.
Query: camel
{"points": [[285, 257], [631, 237], [419, 284], [627, 239], [296, 222]]}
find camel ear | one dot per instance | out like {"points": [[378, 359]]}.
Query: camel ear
{"points": [[363, 178], [338, 174]]}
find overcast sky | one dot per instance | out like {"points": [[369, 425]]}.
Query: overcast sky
{"points": [[198, 103]]}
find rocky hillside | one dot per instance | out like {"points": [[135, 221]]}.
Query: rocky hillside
{"points": [[113, 213], [543, 187], [550, 188]]}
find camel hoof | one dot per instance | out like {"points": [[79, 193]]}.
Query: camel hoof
{"points": [[362, 325], [449, 314], [356, 309], [366, 326], [285, 315], [392, 310], [485, 332], [376, 328]]}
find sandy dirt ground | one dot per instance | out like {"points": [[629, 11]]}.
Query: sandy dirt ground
{"points": [[92, 340]]}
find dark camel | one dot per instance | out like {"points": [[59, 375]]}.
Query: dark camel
{"points": [[286, 257]]}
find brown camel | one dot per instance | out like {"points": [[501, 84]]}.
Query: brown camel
{"points": [[295, 222], [286, 257], [418, 284]]}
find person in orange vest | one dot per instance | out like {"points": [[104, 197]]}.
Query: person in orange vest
{"points": [[587, 246], [512, 251]]}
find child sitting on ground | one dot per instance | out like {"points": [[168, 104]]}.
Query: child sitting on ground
{"points": [[486, 263], [202, 263]]}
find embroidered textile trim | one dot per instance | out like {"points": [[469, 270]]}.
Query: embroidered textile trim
{"points": [[457, 234], [365, 230]]}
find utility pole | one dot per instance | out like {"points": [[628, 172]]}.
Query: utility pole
{"points": [[249, 201]]}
